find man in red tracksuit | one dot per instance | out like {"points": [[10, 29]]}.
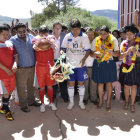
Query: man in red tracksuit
{"points": [[7, 75]]}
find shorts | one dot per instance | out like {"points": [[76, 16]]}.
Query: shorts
{"points": [[8, 85], [43, 76], [80, 74]]}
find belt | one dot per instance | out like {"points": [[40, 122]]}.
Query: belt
{"points": [[26, 67]]}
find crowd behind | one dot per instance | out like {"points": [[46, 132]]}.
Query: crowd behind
{"points": [[107, 65]]}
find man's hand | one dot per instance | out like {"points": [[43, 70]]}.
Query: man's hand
{"points": [[14, 68], [27, 25], [12, 24], [137, 12], [61, 52], [82, 62], [9, 44], [36, 48], [17, 21]]}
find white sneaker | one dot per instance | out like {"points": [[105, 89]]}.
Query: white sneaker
{"points": [[12, 97], [53, 107], [70, 106], [42, 108], [82, 106]]}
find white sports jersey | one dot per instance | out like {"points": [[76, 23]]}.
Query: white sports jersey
{"points": [[76, 48]]}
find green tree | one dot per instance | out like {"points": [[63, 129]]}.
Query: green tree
{"points": [[86, 18], [50, 11], [61, 5], [37, 20]]}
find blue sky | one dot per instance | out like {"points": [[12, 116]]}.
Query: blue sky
{"points": [[21, 8]]}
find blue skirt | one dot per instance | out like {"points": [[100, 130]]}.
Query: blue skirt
{"points": [[104, 72]]}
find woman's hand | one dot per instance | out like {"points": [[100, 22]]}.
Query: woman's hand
{"points": [[132, 49], [97, 54], [110, 51], [14, 68], [36, 48]]}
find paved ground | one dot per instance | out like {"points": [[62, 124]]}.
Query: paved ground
{"points": [[76, 124]]}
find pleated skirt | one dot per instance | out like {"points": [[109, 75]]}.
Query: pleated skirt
{"points": [[104, 72], [130, 78]]}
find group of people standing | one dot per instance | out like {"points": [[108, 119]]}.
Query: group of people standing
{"points": [[91, 56]]}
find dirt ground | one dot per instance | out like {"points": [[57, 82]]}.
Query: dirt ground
{"points": [[77, 124]]}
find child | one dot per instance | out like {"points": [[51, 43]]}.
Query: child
{"points": [[44, 58], [7, 75]]}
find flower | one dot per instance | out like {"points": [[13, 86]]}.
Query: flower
{"points": [[103, 47], [124, 44], [131, 57], [109, 45]]}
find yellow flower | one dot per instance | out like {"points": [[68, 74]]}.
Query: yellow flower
{"points": [[124, 69], [103, 47]]}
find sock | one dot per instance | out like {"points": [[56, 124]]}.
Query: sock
{"points": [[50, 94], [41, 94], [5, 104], [81, 93], [71, 94]]}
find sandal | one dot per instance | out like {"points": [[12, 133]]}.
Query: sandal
{"points": [[132, 108], [99, 106], [126, 106], [108, 108]]}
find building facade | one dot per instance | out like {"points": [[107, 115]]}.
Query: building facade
{"points": [[126, 9]]}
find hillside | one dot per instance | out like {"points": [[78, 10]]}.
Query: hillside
{"points": [[8, 20], [110, 14]]}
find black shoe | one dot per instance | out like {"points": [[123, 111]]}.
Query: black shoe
{"points": [[85, 102], [25, 109], [66, 100], [94, 102], [123, 97], [137, 98], [35, 104]]}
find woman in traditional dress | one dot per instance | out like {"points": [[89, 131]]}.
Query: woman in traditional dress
{"points": [[104, 68], [129, 74]]}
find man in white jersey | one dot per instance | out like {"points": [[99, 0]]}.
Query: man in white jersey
{"points": [[77, 48]]}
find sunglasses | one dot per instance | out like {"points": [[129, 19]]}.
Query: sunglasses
{"points": [[20, 32]]}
